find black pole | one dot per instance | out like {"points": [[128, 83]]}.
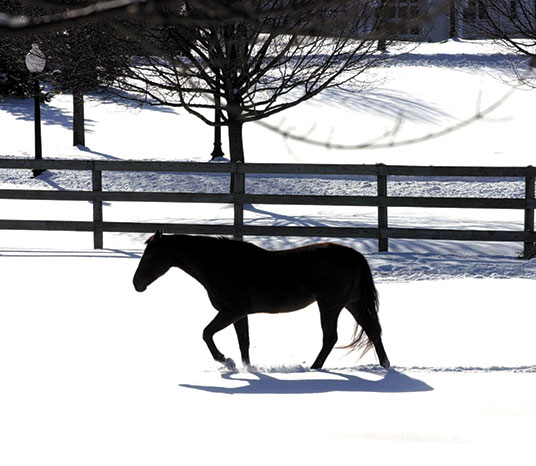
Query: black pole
{"points": [[79, 137], [217, 152], [37, 126]]}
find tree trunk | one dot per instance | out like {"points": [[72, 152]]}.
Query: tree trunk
{"points": [[78, 119], [452, 21], [236, 144]]}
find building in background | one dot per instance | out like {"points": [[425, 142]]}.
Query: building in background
{"points": [[436, 21]]}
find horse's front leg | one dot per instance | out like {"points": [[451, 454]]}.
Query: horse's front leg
{"points": [[219, 322], [242, 332]]}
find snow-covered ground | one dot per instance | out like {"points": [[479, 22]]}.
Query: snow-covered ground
{"points": [[94, 373], [432, 87]]}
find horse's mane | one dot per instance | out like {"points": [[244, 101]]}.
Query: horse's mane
{"points": [[220, 239]]}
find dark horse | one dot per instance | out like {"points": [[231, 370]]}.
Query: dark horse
{"points": [[243, 279]]}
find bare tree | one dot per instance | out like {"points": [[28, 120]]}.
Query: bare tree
{"points": [[253, 68], [83, 58], [510, 22], [255, 58]]}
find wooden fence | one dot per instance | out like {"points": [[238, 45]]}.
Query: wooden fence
{"points": [[238, 197]]}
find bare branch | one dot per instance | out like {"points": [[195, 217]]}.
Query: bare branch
{"points": [[22, 24]]}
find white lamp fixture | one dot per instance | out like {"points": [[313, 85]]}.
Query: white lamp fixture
{"points": [[35, 60]]}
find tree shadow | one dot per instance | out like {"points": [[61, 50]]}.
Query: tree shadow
{"points": [[98, 154], [131, 101], [287, 220], [263, 384], [387, 103], [23, 109], [48, 178]]}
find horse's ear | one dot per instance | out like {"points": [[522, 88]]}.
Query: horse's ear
{"points": [[157, 236]]}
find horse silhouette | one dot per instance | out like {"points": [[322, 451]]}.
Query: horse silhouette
{"points": [[242, 278]]}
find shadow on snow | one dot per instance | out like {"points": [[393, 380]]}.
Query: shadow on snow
{"points": [[261, 384]]}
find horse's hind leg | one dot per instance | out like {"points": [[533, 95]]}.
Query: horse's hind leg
{"points": [[328, 318], [371, 325], [242, 332]]}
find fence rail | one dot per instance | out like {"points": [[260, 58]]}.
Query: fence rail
{"points": [[238, 197]]}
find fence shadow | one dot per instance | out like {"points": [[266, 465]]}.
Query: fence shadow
{"points": [[107, 253]]}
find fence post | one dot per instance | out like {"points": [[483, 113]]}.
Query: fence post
{"points": [[529, 215], [383, 242], [238, 184], [96, 176]]}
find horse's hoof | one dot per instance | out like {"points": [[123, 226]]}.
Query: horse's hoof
{"points": [[229, 364], [250, 368], [385, 363]]}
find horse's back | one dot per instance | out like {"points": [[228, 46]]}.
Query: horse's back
{"points": [[315, 258], [290, 279]]}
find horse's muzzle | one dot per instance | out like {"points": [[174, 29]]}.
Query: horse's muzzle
{"points": [[139, 287]]}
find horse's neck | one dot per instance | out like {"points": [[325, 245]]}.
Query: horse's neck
{"points": [[196, 256]]}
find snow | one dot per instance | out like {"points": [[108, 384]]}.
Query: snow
{"points": [[94, 373]]}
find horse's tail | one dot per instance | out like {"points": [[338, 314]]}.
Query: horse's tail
{"points": [[364, 309]]}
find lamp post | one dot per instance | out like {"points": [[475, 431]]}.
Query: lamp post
{"points": [[217, 152], [35, 62]]}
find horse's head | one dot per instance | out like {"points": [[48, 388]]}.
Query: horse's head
{"points": [[153, 264]]}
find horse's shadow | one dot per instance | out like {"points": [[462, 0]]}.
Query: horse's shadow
{"points": [[263, 384]]}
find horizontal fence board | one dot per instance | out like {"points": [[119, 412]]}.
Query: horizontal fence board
{"points": [[272, 199], [270, 168], [116, 227], [304, 231], [115, 196], [460, 235], [46, 225], [178, 228], [389, 170], [174, 167], [446, 171], [119, 165], [47, 164], [402, 233], [387, 201], [454, 202], [208, 198], [262, 230], [46, 195]]}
